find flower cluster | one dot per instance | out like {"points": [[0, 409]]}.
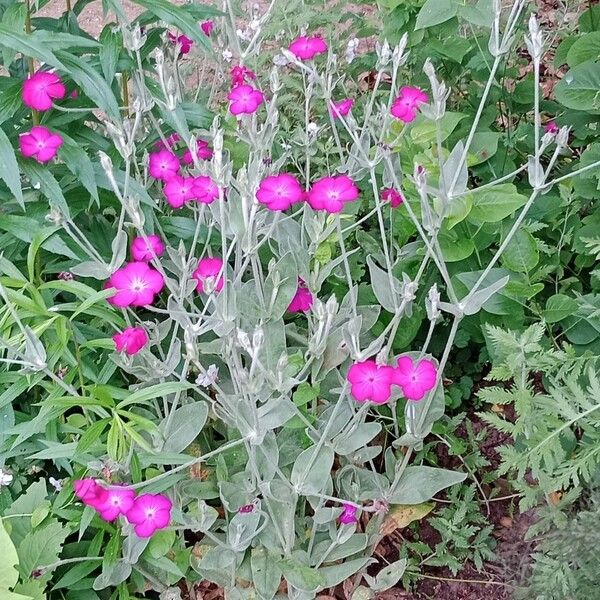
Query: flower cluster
{"points": [[372, 382], [148, 513]]}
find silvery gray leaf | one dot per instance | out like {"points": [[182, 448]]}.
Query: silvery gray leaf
{"points": [[355, 438], [119, 250], [385, 286], [454, 170], [182, 427], [242, 529], [91, 269], [479, 298], [388, 577], [312, 469], [535, 172]]}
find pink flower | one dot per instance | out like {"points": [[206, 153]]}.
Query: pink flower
{"points": [[40, 143], [178, 190], [171, 141], [552, 127], [392, 196], [209, 269], [348, 517], [279, 192], [146, 250], [415, 379], [302, 300], [149, 513], [203, 151], [116, 500], [305, 48], [130, 340], [341, 108], [41, 89], [205, 189], [207, 27], [331, 193], [407, 104], [370, 381], [239, 73], [88, 491], [245, 99], [163, 165], [136, 284], [184, 42], [247, 508]]}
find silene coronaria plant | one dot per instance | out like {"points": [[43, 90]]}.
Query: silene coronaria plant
{"points": [[227, 410]]}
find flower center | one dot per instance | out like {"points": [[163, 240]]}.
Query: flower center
{"points": [[150, 513], [138, 285]]}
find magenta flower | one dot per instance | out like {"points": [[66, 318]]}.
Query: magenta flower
{"points": [[207, 27], [146, 250], [415, 379], [370, 381], [203, 151], [131, 340], [348, 517], [331, 193], [178, 190], [407, 104], [171, 141], [136, 284], [305, 48], [279, 192], [88, 491], [239, 74], [207, 272], [246, 508], [163, 165], [341, 108], [245, 99], [149, 513], [184, 42], [552, 127], [205, 190], [302, 300], [40, 143], [41, 89], [392, 196], [116, 500]]}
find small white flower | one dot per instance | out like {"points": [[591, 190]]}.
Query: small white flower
{"points": [[227, 55], [280, 60], [312, 129], [209, 376], [6, 478], [351, 49], [55, 483]]}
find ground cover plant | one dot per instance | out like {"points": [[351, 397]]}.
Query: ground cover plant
{"points": [[255, 264]]}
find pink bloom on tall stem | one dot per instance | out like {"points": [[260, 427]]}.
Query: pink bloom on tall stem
{"points": [[415, 379], [392, 196], [305, 48], [552, 127], [40, 143], [41, 89], [348, 517], [171, 141], [370, 381], [185, 42], [131, 340], [407, 103], [209, 269], [149, 513], [136, 284], [239, 74], [116, 500], [341, 108], [207, 27], [178, 190], [163, 165], [88, 491], [302, 300], [332, 193], [245, 99], [279, 192], [203, 151], [205, 190], [146, 250]]}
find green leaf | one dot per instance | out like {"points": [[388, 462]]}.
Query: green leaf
{"points": [[8, 572], [559, 307], [10, 169], [481, 14], [10, 100], [455, 247], [266, 574], [41, 547], [38, 239], [41, 177], [14, 18], [420, 484], [109, 51], [483, 147], [494, 204], [435, 12], [79, 163], [312, 469], [423, 130], [27, 44], [154, 391], [590, 19], [521, 254], [584, 48], [301, 576], [580, 87], [184, 426]]}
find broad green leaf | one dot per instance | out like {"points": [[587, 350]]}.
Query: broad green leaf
{"points": [[402, 515], [79, 163], [585, 47], [420, 484], [423, 130], [8, 572], [481, 14], [301, 576], [184, 426], [559, 307], [578, 89], [41, 547], [14, 18], [435, 12], [27, 44], [590, 19], [9, 171], [494, 204], [483, 147], [40, 176], [455, 247], [10, 100], [109, 51], [521, 254]]}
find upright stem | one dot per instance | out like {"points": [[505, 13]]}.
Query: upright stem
{"points": [[35, 115], [125, 85]]}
